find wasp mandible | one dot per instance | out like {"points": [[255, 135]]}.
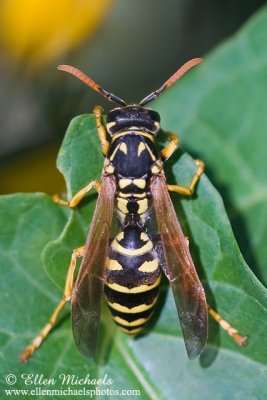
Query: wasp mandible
{"points": [[128, 268]]}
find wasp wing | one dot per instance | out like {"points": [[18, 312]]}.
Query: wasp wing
{"points": [[179, 268], [88, 289]]}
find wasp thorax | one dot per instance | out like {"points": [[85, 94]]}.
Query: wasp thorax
{"points": [[133, 118]]}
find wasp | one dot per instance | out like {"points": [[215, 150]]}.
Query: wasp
{"points": [[128, 267]]}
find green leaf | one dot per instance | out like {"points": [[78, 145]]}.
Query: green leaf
{"points": [[156, 362], [220, 112], [35, 232], [80, 161]]}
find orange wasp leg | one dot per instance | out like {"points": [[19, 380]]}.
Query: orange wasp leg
{"points": [[171, 147], [101, 130], [78, 196], [189, 190], [102, 134], [29, 350], [240, 340]]}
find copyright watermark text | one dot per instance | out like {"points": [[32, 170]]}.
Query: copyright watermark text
{"points": [[29, 384]]}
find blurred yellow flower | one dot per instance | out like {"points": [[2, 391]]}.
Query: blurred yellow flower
{"points": [[43, 29]]}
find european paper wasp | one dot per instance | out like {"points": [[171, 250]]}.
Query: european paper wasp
{"points": [[128, 268]]}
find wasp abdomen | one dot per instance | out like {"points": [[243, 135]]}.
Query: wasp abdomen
{"points": [[132, 279]]}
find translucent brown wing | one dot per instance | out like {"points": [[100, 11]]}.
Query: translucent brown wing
{"points": [[187, 289], [88, 289]]}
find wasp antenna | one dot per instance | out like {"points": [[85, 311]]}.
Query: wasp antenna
{"points": [[177, 75], [91, 83]]}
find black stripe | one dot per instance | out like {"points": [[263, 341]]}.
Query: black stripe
{"points": [[132, 206], [131, 328], [132, 262], [132, 278], [132, 238], [131, 300], [131, 317]]}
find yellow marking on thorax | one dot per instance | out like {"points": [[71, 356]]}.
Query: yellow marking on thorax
{"points": [[139, 195], [110, 169], [113, 265], [140, 183], [124, 195], [122, 321], [136, 195], [132, 252], [125, 182], [136, 289], [123, 147], [143, 206], [122, 205], [114, 152], [149, 266], [144, 237], [134, 310], [141, 148], [123, 133], [150, 152], [110, 124], [120, 236]]}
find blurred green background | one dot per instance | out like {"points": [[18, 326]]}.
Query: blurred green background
{"points": [[129, 47]]}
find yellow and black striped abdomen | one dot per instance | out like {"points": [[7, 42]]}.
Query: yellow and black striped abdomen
{"points": [[133, 276]]}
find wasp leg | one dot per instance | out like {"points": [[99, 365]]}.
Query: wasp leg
{"points": [[189, 190], [171, 147], [29, 350], [78, 196], [240, 340], [101, 130]]}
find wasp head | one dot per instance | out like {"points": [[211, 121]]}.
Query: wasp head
{"points": [[133, 117]]}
